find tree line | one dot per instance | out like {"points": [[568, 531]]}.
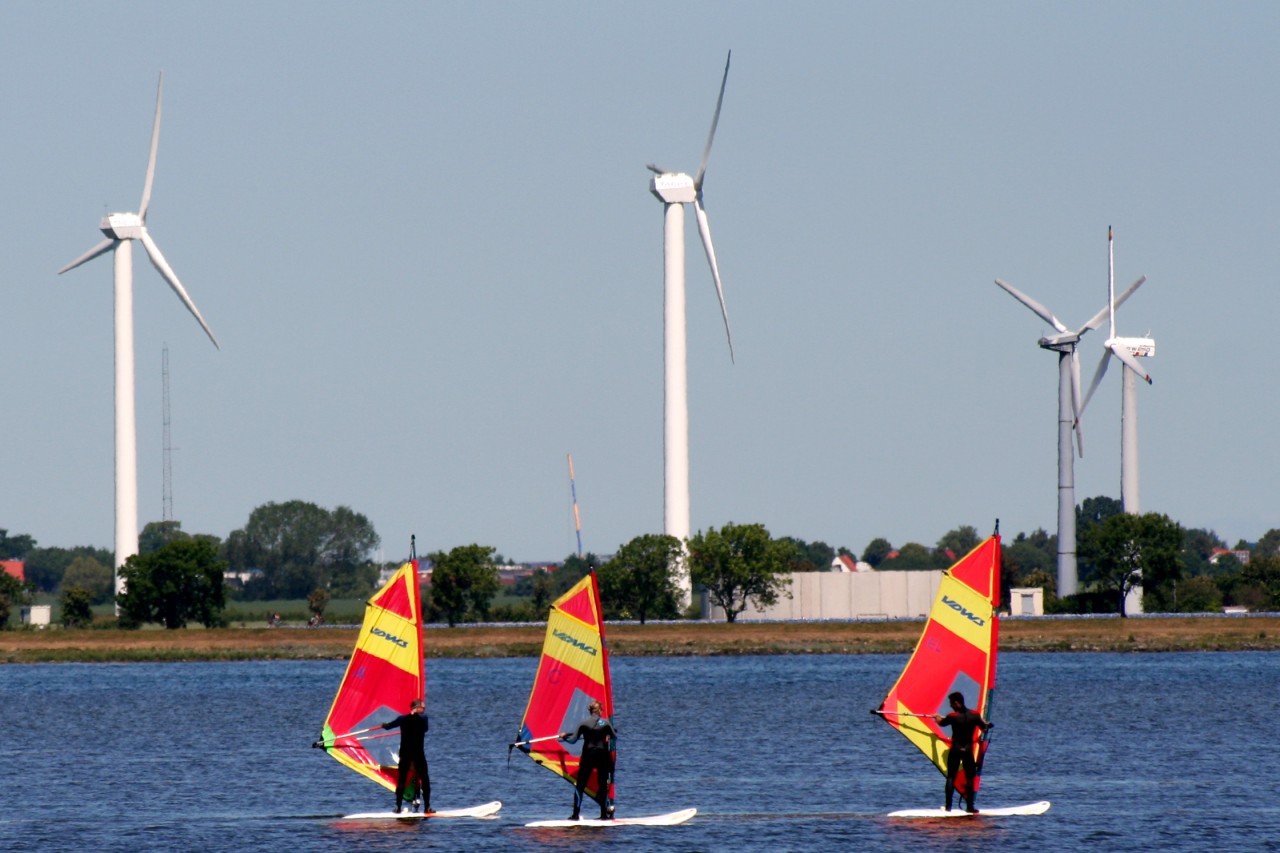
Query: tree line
{"points": [[298, 550]]}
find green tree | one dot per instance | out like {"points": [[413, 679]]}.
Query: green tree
{"points": [[913, 556], [178, 583], [1262, 577], [1198, 594], [77, 607], [739, 564], [876, 552], [14, 547], [1197, 547], [1135, 550], [156, 534], [809, 556], [45, 566], [317, 601], [91, 576], [1096, 510], [572, 570], [960, 541], [544, 592], [1268, 545], [641, 580], [463, 583], [300, 546], [13, 593]]}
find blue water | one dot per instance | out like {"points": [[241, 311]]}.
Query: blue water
{"points": [[1172, 752]]}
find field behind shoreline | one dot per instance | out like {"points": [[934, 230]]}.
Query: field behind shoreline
{"points": [[1143, 634]]}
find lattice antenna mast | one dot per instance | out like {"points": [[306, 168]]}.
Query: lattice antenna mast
{"points": [[166, 512]]}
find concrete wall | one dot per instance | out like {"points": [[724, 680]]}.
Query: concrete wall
{"points": [[849, 595]]}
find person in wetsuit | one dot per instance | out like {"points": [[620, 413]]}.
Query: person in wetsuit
{"points": [[963, 723], [413, 755], [597, 735]]}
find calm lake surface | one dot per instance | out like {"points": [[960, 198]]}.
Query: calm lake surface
{"points": [[1171, 752]]}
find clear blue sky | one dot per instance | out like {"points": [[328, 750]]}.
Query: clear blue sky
{"points": [[423, 235]]}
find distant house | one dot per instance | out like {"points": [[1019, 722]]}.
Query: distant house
{"points": [[15, 568], [1242, 556], [846, 563], [237, 580]]}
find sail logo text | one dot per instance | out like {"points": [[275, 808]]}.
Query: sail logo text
{"points": [[573, 641], [378, 632], [959, 608]]}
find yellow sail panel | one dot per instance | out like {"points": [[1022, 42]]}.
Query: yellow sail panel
{"points": [[964, 612], [573, 644]]}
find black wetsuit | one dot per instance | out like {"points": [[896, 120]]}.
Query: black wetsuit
{"points": [[963, 726], [597, 736], [413, 756]]}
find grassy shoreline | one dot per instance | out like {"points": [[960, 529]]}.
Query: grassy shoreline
{"points": [[1147, 634]]}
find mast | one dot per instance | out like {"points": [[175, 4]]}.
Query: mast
{"points": [[577, 518]]}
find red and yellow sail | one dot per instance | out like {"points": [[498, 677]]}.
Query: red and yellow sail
{"points": [[573, 670], [956, 653], [384, 675]]}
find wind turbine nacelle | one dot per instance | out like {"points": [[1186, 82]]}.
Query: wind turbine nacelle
{"points": [[673, 188], [1138, 347], [122, 226], [1062, 343]]}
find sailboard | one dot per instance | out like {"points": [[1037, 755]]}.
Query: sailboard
{"points": [[385, 673], [573, 670], [956, 653], [487, 810]]}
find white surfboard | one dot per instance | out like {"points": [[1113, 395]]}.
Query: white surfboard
{"points": [[1029, 809], [482, 811], [668, 819]]}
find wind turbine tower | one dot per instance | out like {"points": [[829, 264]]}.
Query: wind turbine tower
{"points": [[1128, 351], [121, 229], [675, 190], [1065, 343]]}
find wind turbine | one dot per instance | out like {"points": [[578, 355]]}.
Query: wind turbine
{"points": [[675, 190], [1069, 408], [121, 229], [1128, 351]]}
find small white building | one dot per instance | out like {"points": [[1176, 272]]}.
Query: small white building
{"points": [[1026, 601], [38, 615]]}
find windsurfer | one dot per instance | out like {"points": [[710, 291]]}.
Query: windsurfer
{"points": [[597, 735], [413, 755], [963, 724]]}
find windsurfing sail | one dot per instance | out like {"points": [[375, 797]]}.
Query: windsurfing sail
{"points": [[573, 670], [384, 675], [955, 653]]}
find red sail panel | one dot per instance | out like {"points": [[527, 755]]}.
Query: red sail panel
{"points": [[384, 675], [572, 671], [956, 653]]}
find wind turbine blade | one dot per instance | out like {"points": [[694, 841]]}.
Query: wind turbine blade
{"points": [[715, 120], [1097, 378], [151, 160], [101, 249], [1106, 309], [162, 266], [1044, 313], [704, 229], [1131, 362], [1077, 408]]}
